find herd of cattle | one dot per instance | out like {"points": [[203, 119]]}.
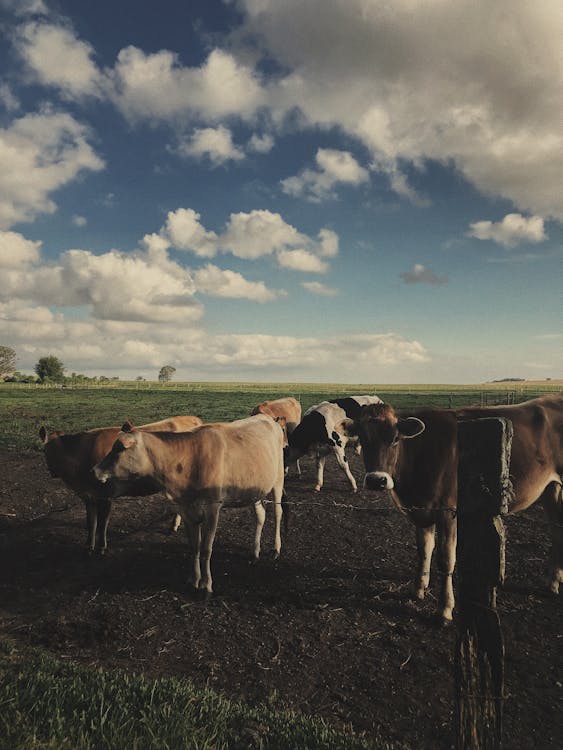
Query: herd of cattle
{"points": [[202, 467]]}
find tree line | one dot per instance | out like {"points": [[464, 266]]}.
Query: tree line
{"points": [[50, 369]]}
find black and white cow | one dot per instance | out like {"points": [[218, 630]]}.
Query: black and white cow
{"points": [[323, 430]]}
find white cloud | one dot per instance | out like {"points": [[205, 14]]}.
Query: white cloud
{"points": [[251, 235], [315, 287], [419, 274], [512, 230], [459, 82], [302, 260], [184, 231], [333, 167], [58, 58], [259, 232], [17, 251], [79, 221], [8, 99], [215, 143], [26, 7], [156, 86], [223, 283], [113, 285], [260, 144], [40, 153]]}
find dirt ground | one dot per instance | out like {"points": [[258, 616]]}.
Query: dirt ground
{"points": [[328, 630]]}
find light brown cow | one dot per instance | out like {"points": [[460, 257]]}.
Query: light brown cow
{"points": [[286, 411], [230, 463], [71, 457]]}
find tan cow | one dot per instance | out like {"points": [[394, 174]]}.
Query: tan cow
{"points": [[230, 463], [71, 457], [286, 411]]}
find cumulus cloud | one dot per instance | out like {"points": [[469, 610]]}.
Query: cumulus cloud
{"points": [[57, 58], [214, 143], [17, 251], [333, 167], [79, 221], [398, 77], [114, 285], [512, 230], [8, 100], [40, 153], [251, 235], [156, 86], [419, 274], [315, 287], [260, 144], [302, 260], [224, 283]]}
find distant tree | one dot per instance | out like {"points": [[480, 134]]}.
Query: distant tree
{"points": [[50, 369], [139, 378], [7, 361], [165, 374]]}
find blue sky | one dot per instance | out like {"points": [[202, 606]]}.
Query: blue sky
{"points": [[354, 191]]}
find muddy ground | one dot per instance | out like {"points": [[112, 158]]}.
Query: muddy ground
{"points": [[328, 630]]}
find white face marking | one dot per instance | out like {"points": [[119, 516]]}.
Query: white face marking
{"points": [[378, 480]]}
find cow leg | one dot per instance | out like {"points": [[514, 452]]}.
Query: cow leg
{"points": [[278, 513], [208, 530], [298, 467], [320, 471], [447, 538], [260, 518], [343, 463], [552, 500], [425, 545], [91, 522], [193, 531], [176, 521], [104, 511]]}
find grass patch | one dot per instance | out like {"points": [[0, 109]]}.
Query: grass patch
{"points": [[47, 704], [23, 409]]}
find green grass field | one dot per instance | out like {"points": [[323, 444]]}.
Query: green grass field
{"points": [[48, 704], [23, 409]]}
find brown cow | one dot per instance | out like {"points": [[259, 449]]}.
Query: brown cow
{"points": [[536, 464], [219, 464], [422, 473], [71, 457], [416, 460]]}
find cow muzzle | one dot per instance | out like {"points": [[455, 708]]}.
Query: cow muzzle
{"points": [[101, 475], [378, 481]]}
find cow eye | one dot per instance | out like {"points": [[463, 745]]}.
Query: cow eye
{"points": [[118, 447]]}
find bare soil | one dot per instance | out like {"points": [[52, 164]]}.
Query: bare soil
{"points": [[329, 630]]}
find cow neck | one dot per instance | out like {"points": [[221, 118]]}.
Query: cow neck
{"points": [[165, 450]]}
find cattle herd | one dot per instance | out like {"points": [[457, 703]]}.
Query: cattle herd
{"points": [[202, 467]]}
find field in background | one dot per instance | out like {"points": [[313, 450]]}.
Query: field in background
{"points": [[24, 408]]}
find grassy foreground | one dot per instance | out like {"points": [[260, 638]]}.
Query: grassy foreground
{"points": [[23, 409], [47, 704]]}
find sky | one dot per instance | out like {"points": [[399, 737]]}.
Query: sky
{"points": [[351, 191]]}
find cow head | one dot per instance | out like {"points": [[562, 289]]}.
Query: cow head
{"points": [[127, 460], [55, 454], [381, 432]]}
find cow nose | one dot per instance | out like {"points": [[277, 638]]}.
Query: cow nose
{"points": [[375, 481]]}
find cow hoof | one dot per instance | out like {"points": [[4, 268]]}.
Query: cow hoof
{"points": [[203, 595], [102, 552], [276, 555], [253, 560], [317, 488]]}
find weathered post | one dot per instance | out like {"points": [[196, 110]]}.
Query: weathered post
{"points": [[484, 490]]}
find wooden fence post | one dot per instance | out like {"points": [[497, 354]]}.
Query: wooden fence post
{"points": [[484, 490]]}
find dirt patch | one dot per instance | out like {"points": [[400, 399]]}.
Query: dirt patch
{"points": [[329, 629]]}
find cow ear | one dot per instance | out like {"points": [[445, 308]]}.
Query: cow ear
{"points": [[347, 427], [127, 426], [410, 427]]}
